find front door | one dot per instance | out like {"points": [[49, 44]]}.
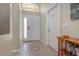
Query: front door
{"points": [[31, 27]]}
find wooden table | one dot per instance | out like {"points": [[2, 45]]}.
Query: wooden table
{"points": [[68, 40], [71, 40]]}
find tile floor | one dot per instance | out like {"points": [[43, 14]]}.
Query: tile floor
{"points": [[36, 48]]}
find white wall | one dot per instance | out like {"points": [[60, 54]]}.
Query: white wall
{"points": [[5, 45], [68, 26], [43, 27], [15, 25], [10, 42]]}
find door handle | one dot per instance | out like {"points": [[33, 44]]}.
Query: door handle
{"points": [[48, 30], [28, 28]]}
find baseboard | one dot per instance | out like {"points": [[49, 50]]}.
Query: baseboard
{"points": [[43, 42], [31, 40], [16, 50], [53, 49]]}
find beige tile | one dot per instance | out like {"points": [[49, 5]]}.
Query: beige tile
{"points": [[36, 48]]}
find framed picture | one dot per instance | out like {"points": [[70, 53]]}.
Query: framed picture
{"points": [[74, 11]]}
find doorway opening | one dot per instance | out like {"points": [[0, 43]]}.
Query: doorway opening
{"points": [[31, 25]]}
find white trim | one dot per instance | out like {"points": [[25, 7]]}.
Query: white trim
{"points": [[20, 26], [10, 21], [46, 29], [59, 29]]}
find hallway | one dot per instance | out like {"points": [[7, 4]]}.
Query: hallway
{"points": [[36, 48]]}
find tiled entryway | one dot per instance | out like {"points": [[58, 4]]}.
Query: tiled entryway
{"points": [[36, 48]]}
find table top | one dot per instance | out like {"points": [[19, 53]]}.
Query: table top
{"points": [[71, 39]]}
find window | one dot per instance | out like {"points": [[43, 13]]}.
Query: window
{"points": [[30, 7]]}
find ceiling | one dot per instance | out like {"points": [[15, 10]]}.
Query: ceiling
{"points": [[46, 6]]}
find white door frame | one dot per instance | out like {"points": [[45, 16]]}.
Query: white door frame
{"points": [[20, 26], [48, 19], [27, 12]]}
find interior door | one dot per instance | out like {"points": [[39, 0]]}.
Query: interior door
{"points": [[33, 27], [53, 28]]}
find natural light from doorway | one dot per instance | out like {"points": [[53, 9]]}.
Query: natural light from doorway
{"points": [[25, 27]]}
